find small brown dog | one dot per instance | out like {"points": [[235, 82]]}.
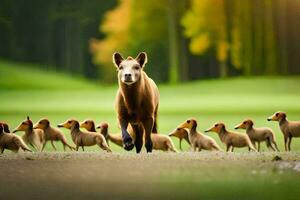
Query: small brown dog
{"points": [[33, 137], [288, 128], [52, 134], [258, 135], [231, 139], [199, 140]]}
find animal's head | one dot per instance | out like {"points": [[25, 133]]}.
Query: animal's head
{"points": [[278, 116], [42, 124], [5, 127], [189, 123], [24, 125], [217, 127], [69, 124], [179, 133], [88, 125], [130, 69], [245, 124], [103, 128]]}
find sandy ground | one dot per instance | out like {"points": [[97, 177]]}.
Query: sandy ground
{"points": [[98, 175]]}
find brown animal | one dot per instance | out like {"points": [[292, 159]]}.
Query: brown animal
{"points": [[258, 135], [114, 138], [199, 140], [136, 101], [162, 142], [52, 134], [181, 134], [32, 137], [81, 138], [289, 129], [231, 139], [10, 141]]}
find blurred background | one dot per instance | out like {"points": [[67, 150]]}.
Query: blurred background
{"points": [[185, 40]]}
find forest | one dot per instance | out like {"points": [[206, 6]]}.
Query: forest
{"points": [[185, 40]]}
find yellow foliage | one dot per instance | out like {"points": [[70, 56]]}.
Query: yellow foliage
{"points": [[199, 44], [115, 26], [222, 51]]}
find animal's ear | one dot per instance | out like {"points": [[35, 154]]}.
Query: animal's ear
{"points": [[117, 59], [141, 59], [28, 118]]}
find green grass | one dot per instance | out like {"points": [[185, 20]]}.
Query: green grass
{"points": [[27, 90]]}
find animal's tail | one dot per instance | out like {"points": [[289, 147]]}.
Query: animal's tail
{"points": [[65, 143], [270, 140], [21, 144]]}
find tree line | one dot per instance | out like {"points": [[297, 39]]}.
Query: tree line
{"points": [[185, 40]]}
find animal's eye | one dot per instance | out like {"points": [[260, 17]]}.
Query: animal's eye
{"points": [[188, 121], [216, 125], [121, 67], [85, 122], [178, 129], [23, 123], [40, 122], [244, 123], [136, 67], [277, 114], [69, 122]]}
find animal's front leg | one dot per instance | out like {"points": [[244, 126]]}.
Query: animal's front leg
{"points": [[138, 130], [148, 125], [127, 140]]}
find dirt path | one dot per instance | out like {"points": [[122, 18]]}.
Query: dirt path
{"points": [[129, 176]]}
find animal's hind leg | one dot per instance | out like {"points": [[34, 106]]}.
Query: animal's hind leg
{"points": [[289, 143], [138, 130], [285, 143], [258, 146], [148, 125], [154, 129], [275, 144], [44, 145], [53, 145], [180, 140], [2, 150]]}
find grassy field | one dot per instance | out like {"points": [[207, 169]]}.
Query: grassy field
{"points": [[26, 90]]}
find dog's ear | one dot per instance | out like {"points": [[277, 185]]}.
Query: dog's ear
{"points": [[141, 59], [117, 59]]}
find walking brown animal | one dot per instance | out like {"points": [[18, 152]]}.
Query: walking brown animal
{"points": [[33, 137], [52, 134], [231, 139], [289, 129], [197, 139], [137, 101], [258, 135]]}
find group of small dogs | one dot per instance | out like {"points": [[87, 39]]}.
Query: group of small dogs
{"points": [[37, 135]]}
